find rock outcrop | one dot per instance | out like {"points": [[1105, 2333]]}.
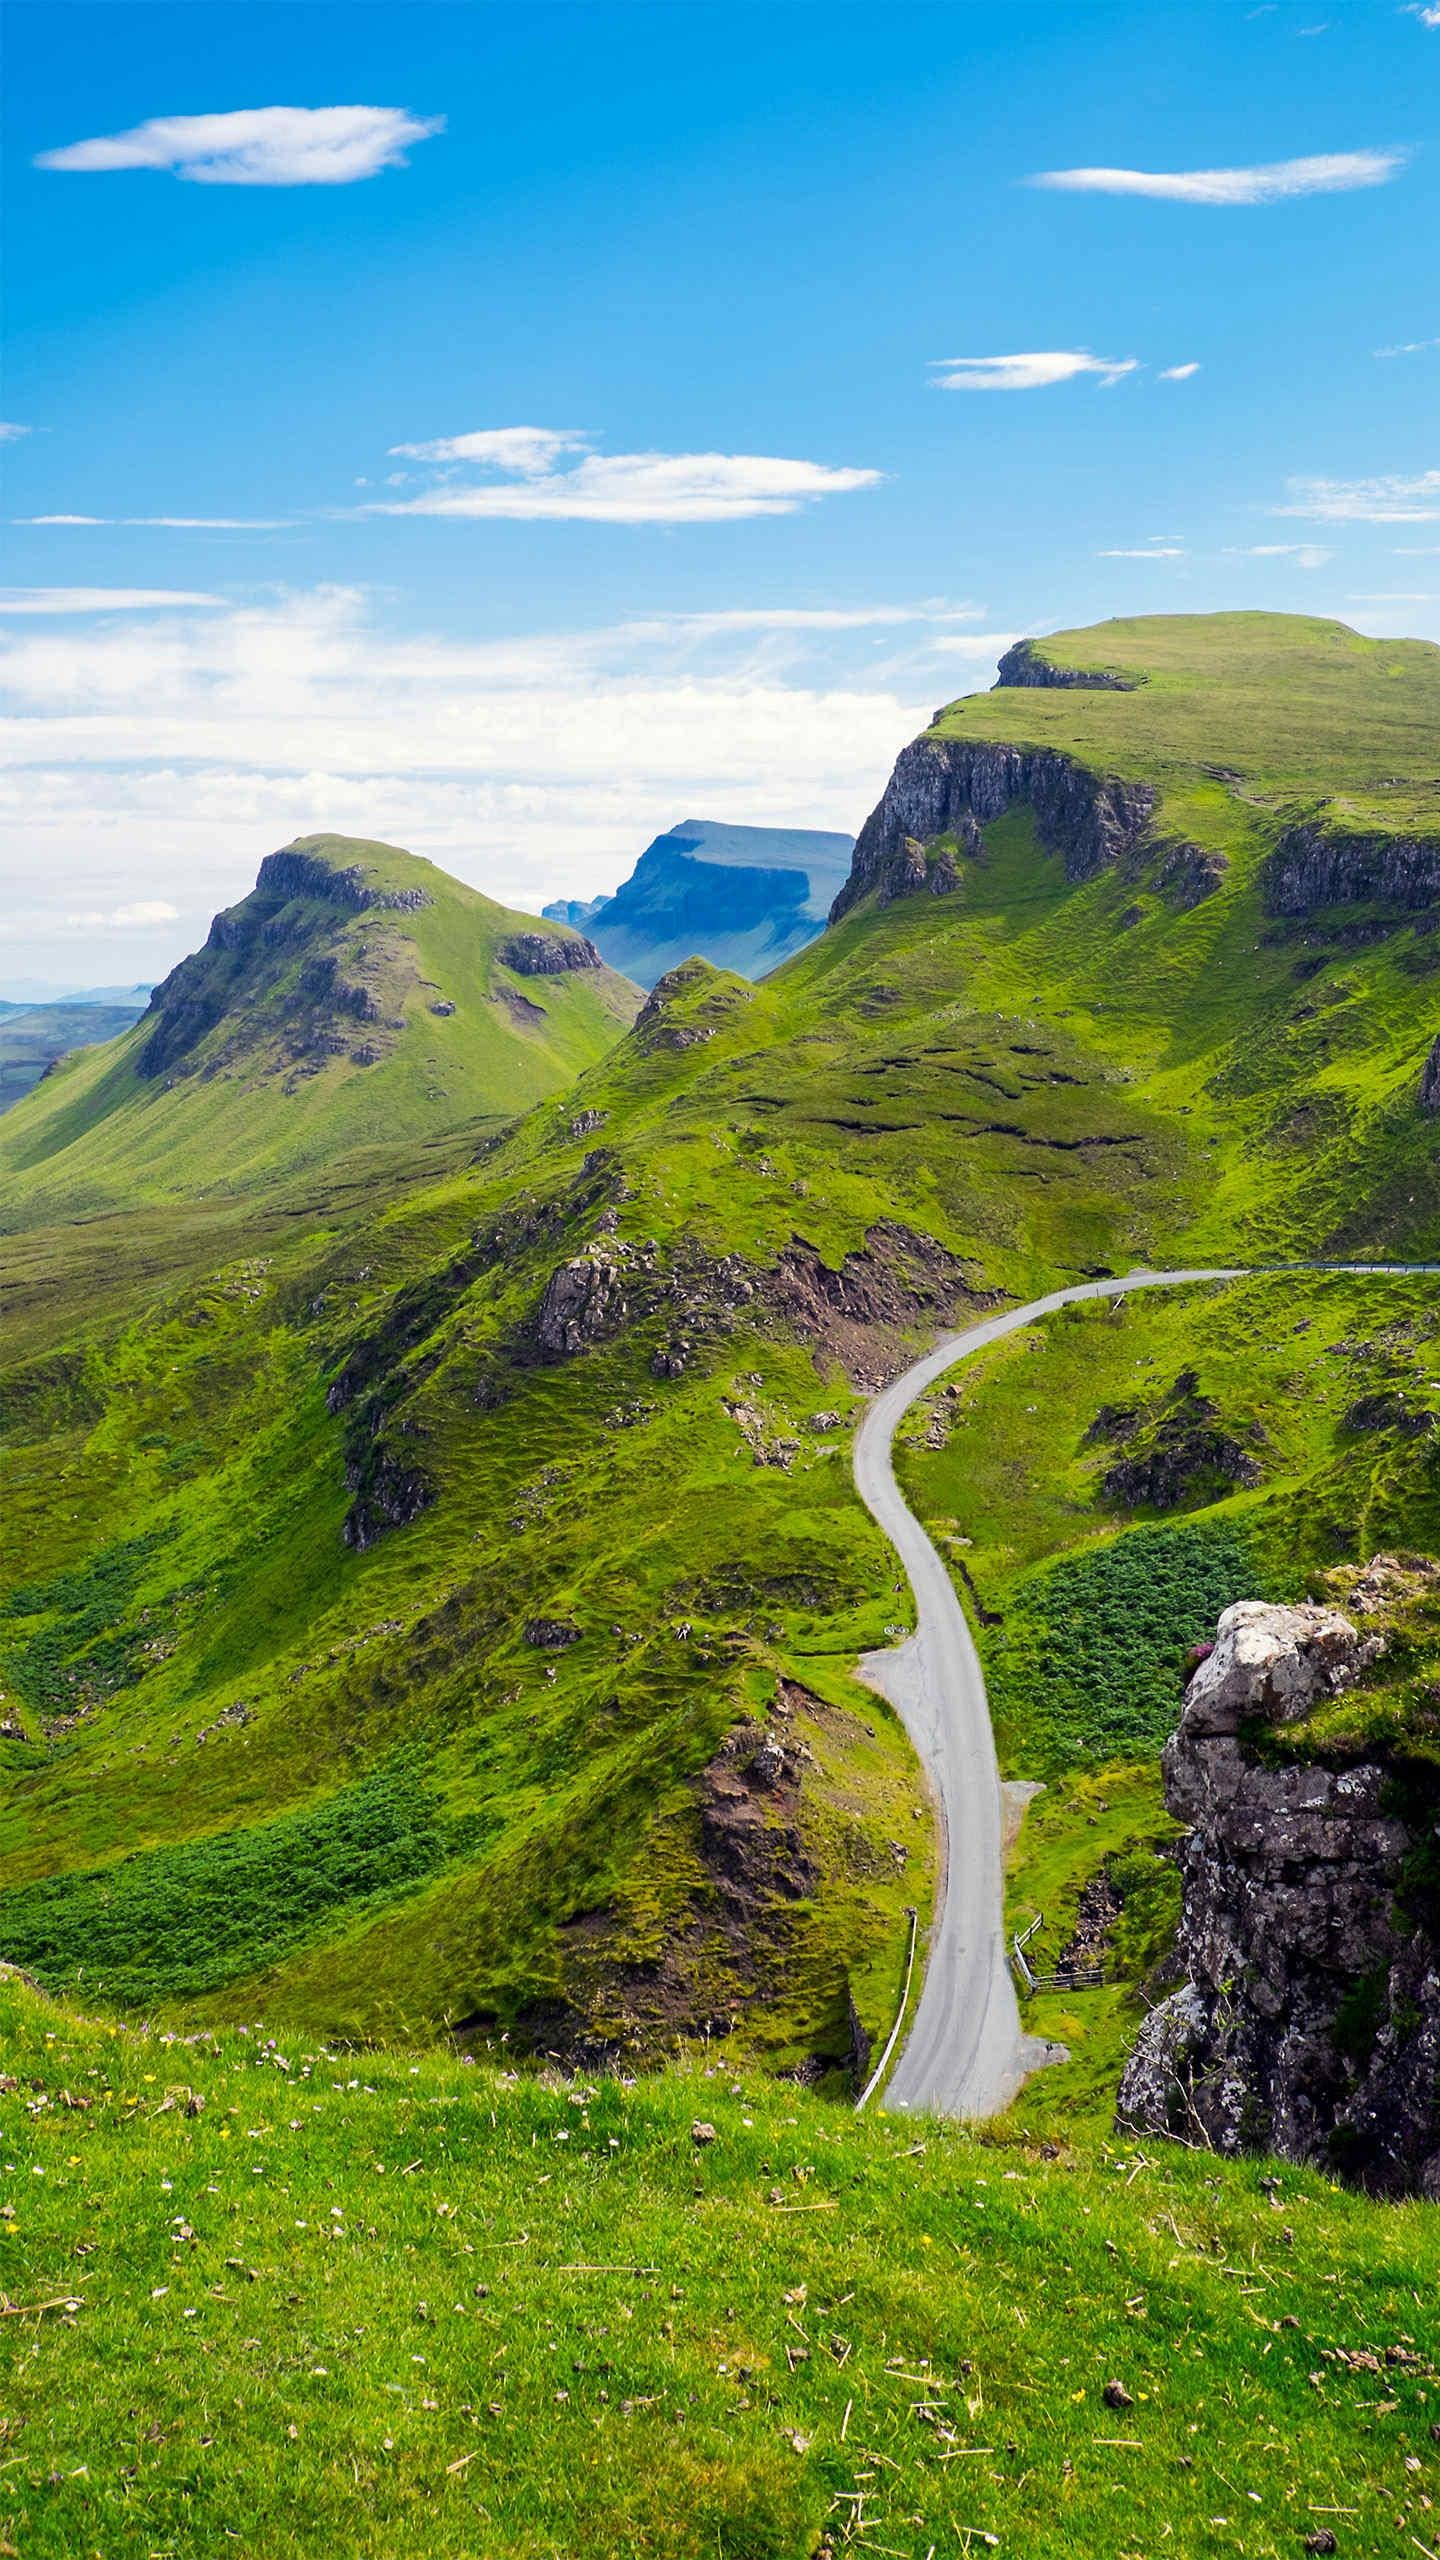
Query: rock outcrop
{"points": [[1430, 1081], [1023, 665], [952, 786], [1309, 2023], [1319, 865], [547, 955], [296, 873], [584, 1301]]}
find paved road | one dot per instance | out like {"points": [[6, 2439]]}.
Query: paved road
{"points": [[965, 2054]]}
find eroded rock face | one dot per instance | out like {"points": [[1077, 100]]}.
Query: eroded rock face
{"points": [[1309, 2023], [1022, 665], [1430, 1081], [583, 1302], [952, 786], [292, 873], [548, 955], [1321, 866]]}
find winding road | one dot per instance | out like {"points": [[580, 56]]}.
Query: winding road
{"points": [[965, 2054]]}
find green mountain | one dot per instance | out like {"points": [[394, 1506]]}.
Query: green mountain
{"points": [[357, 997], [435, 1590]]}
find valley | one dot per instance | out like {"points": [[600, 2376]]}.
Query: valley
{"points": [[446, 1642]]}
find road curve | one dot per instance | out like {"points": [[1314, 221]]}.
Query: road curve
{"points": [[965, 2054]]}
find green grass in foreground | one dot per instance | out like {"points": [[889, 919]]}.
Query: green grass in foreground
{"points": [[370, 2305]]}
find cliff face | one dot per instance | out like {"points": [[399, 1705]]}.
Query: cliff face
{"points": [[949, 786], [1319, 866], [295, 873], [1309, 2024], [1023, 665]]}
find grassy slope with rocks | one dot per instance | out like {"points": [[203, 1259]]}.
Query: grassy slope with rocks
{"points": [[548, 1840], [271, 2294], [329, 1015]]}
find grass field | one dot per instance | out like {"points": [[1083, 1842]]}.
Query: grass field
{"points": [[265, 2295]]}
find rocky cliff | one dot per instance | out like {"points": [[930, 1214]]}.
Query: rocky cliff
{"points": [[1024, 665], [1309, 2020], [952, 786], [1320, 865]]}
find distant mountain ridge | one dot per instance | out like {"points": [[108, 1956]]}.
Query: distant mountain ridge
{"points": [[743, 898], [34, 1036]]}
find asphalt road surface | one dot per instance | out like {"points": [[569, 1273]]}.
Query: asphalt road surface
{"points": [[965, 2054]]}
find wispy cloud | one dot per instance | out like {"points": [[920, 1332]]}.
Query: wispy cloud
{"points": [[1025, 372], [1306, 555], [528, 452], [1410, 347], [177, 524], [258, 146], [1323, 173], [1391, 500], [1148, 551], [984, 645], [867, 617], [138, 911], [101, 599], [1427, 11], [1177, 372], [618, 488], [11, 431]]}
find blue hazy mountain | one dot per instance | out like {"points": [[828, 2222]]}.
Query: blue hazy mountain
{"points": [[742, 897]]}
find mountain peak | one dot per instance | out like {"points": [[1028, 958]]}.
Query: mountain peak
{"points": [[357, 993]]}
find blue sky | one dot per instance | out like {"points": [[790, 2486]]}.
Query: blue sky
{"points": [[722, 262]]}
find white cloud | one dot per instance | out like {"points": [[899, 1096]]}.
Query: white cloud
{"points": [[1427, 11], [800, 618], [1177, 372], [1322, 173], [1148, 551], [976, 644], [176, 524], [140, 911], [621, 488], [1410, 347], [100, 599], [1025, 372], [258, 146], [157, 758], [528, 452], [11, 431], [1306, 555], [1389, 500]]}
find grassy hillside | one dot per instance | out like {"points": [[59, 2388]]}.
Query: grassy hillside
{"points": [[343, 1552], [363, 998], [304, 2300], [1282, 713]]}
